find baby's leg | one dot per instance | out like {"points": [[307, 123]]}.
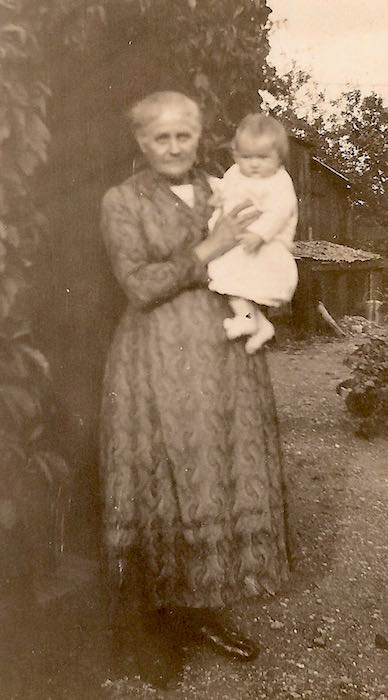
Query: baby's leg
{"points": [[264, 332], [244, 321]]}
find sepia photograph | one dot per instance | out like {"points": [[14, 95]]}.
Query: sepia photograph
{"points": [[193, 350]]}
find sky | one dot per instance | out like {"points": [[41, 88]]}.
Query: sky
{"points": [[342, 43]]}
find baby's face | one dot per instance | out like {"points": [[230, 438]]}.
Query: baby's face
{"points": [[257, 156]]}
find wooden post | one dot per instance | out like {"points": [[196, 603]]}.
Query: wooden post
{"points": [[342, 293], [303, 311]]}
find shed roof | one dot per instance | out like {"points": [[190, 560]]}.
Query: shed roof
{"points": [[324, 251], [334, 172], [310, 146]]}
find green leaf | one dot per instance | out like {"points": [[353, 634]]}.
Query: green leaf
{"points": [[41, 461], [5, 307], [11, 52], [15, 29], [23, 330], [42, 87], [58, 465], [36, 130], [201, 81], [8, 514], [11, 286], [53, 466], [37, 136], [36, 433], [97, 11], [17, 93], [28, 161], [11, 4], [5, 130], [21, 368], [40, 103], [3, 203], [38, 359], [19, 402], [13, 236]]}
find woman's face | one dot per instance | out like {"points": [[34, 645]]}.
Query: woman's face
{"points": [[170, 144]]}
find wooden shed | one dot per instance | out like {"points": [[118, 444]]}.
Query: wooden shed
{"points": [[343, 278], [325, 211], [340, 277]]}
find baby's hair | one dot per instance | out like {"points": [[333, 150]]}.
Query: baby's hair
{"points": [[257, 125], [148, 109]]}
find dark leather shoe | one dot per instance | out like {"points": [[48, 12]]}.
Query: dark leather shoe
{"points": [[229, 643]]}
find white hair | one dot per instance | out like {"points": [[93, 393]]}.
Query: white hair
{"points": [[144, 112]]}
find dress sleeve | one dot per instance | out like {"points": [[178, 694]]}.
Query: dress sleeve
{"points": [[279, 207], [145, 283]]}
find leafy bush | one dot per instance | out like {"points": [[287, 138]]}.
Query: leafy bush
{"points": [[34, 478], [366, 390]]}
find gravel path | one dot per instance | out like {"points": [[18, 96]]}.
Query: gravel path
{"points": [[318, 637]]}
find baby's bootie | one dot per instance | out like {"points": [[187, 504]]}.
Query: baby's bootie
{"points": [[239, 325], [257, 340]]}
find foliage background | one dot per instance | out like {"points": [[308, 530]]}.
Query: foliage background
{"points": [[34, 484]]}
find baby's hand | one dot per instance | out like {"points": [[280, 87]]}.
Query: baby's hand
{"points": [[251, 242]]}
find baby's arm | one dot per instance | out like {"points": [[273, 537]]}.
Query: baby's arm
{"points": [[279, 206], [250, 241]]}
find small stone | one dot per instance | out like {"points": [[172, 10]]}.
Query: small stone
{"points": [[319, 642], [276, 625], [345, 680], [381, 641]]}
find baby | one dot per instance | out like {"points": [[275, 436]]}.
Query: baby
{"points": [[261, 269]]}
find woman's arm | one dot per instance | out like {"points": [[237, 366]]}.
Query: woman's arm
{"points": [[226, 232], [144, 282]]}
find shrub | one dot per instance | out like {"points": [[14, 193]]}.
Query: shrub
{"points": [[34, 478], [366, 390]]}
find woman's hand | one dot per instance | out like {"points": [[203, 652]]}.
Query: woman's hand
{"points": [[226, 232]]}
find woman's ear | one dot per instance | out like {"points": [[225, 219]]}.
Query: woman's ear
{"points": [[141, 140]]}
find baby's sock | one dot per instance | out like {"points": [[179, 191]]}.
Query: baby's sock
{"points": [[265, 331], [244, 321]]}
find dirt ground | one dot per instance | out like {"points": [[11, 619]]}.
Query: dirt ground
{"points": [[318, 637]]}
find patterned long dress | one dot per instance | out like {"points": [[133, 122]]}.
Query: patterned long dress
{"points": [[191, 468]]}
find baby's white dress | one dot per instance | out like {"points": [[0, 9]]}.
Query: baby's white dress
{"points": [[268, 276]]}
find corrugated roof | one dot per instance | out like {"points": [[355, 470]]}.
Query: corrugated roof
{"points": [[324, 251]]}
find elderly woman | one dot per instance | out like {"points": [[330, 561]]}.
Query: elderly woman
{"points": [[194, 516]]}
